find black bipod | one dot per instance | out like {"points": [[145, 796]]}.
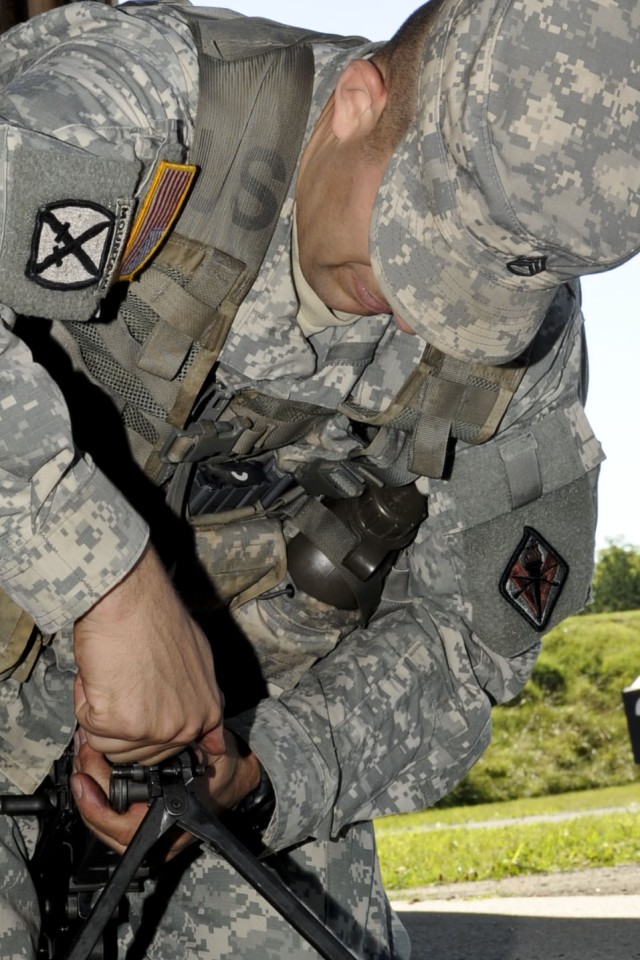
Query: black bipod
{"points": [[169, 788]]}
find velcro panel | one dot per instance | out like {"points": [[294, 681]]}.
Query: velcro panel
{"points": [[565, 520], [519, 583], [66, 218]]}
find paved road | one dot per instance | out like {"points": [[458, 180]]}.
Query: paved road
{"points": [[439, 934], [598, 920]]}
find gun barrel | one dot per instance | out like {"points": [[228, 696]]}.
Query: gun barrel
{"points": [[18, 806]]}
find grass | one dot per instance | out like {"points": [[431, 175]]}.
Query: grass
{"points": [[581, 801], [562, 746], [440, 846]]}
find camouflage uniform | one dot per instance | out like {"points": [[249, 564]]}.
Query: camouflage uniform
{"points": [[359, 721]]}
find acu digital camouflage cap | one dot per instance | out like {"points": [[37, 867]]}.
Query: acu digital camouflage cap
{"points": [[521, 171]]}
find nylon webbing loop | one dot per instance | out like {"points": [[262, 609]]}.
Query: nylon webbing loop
{"points": [[325, 530], [520, 458], [445, 398], [441, 398]]}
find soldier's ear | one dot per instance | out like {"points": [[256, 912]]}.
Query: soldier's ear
{"points": [[360, 98]]}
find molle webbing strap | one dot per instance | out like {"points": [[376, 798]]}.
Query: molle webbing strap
{"points": [[522, 467], [252, 115], [275, 422], [443, 398], [446, 398]]}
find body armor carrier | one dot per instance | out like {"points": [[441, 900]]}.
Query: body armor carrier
{"points": [[154, 348], [155, 358]]}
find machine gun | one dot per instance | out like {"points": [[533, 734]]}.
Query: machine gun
{"points": [[82, 885], [69, 867]]}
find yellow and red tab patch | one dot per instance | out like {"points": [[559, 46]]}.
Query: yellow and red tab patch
{"points": [[160, 208]]}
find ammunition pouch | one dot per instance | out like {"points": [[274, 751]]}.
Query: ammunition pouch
{"points": [[235, 510], [252, 525], [20, 640], [242, 557]]}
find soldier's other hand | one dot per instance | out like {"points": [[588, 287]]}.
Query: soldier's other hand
{"points": [[146, 683], [90, 788], [228, 777], [227, 780]]}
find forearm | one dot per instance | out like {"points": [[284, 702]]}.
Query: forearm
{"points": [[380, 726]]}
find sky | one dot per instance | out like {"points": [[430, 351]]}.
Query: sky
{"points": [[609, 300]]}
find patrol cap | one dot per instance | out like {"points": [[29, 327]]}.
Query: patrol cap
{"points": [[520, 172]]}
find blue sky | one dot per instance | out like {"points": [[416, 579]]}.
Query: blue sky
{"points": [[608, 299]]}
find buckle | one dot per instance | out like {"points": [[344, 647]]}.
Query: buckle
{"points": [[203, 440]]}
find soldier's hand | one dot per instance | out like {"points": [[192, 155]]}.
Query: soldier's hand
{"points": [[90, 788], [146, 683], [228, 778]]}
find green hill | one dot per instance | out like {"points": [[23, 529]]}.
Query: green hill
{"points": [[567, 730]]}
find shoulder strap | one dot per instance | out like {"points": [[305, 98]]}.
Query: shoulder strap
{"points": [[252, 115], [446, 398]]}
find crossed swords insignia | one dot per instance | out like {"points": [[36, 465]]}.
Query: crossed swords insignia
{"points": [[70, 245]]}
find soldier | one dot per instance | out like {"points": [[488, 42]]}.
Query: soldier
{"points": [[312, 310]]}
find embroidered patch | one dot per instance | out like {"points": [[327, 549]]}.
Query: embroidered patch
{"points": [[71, 244], [534, 578], [163, 202]]}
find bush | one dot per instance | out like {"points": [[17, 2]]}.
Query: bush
{"points": [[567, 729], [616, 582]]}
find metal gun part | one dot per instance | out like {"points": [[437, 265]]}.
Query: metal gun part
{"points": [[169, 788]]}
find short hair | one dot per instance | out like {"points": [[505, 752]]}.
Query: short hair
{"points": [[400, 60]]}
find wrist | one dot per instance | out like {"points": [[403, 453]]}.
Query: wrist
{"points": [[251, 815], [125, 597]]}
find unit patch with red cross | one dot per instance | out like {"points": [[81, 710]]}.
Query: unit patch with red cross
{"points": [[534, 578]]}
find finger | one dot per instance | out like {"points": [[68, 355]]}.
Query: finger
{"points": [[89, 761], [213, 742], [126, 751], [148, 755], [79, 697], [114, 829], [96, 814]]}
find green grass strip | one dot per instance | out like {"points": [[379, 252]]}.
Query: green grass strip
{"points": [[579, 801], [417, 858]]}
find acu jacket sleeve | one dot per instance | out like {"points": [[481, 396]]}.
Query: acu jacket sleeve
{"points": [[396, 715], [67, 535]]}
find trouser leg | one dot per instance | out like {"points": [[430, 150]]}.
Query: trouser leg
{"points": [[19, 913], [36, 723], [202, 910]]}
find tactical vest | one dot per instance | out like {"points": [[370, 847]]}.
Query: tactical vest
{"points": [[156, 356]]}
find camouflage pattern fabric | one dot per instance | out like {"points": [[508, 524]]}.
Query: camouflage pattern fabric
{"points": [[67, 535], [201, 910], [470, 238], [390, 717]]}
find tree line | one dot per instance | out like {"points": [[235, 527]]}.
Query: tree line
{"points": [[616, 581]]}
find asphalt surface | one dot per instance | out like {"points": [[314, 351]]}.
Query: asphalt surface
{"points": [[588, 915]]}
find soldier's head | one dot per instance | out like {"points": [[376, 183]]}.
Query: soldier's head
{"points": [[370, 111], [496, 144]]}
